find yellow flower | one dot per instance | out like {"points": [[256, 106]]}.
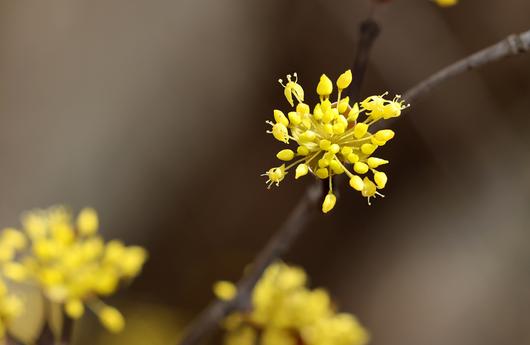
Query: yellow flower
{"points": [[292, 89], [446, 3], [286, 312], [69, 261], [225, 290], [334, 139], [111, 318]]}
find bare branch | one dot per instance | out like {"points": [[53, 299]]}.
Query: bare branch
{"points": [[290, 230], [276, 247], [512, 45]]}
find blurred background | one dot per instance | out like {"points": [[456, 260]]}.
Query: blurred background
{"points": [[153, 112]]}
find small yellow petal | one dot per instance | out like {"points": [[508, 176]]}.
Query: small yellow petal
{"points": [[324, 144], [74, 308], [344, 80], [301, 170], [308, 136], [322, 173], [356, 183], [352, 158], [384, 135], [374, 162], [380, 179], [323, 162], [295, 118], [285, 155], [302, 151], [279, 131], [354, 113], [346, 150], [368, 149], [329, 202], [343, 105], [302, 109], [112, 319], [360, 168], [87, 222], [279, 116], [317, 112], [360, 130], [225, 290], [325, 86], [369, 188], [336, 167]]}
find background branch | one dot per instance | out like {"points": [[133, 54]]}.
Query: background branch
{"points": [[369, 31], [292, 227], [512, 45]]}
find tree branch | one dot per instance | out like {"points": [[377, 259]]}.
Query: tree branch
{"points": [[290, 230], [276, 247], [369, 32], [512, 45]]}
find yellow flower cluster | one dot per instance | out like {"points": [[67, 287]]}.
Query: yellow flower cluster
{"points": [[333, 136], [446, 3], [69, 261], [285, 312]]}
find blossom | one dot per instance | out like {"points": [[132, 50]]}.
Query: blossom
{"points": [[334, 138], [446, 3], [70, 262], [286, 312]]}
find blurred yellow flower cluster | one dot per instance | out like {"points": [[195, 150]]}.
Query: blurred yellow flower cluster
{"points": [[285, 312], [333, 139], [69, 262]]}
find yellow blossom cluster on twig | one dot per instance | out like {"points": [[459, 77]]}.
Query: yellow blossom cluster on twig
{"points": [[69, 261], [286, 312], [334, 138]]}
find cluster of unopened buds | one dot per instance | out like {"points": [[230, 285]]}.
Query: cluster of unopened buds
{"points": [[286, 312], [334, 138], [68, 261]]}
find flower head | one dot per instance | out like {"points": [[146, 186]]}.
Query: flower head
{"points": [[285, 311], [69, 261], [335, 138]]}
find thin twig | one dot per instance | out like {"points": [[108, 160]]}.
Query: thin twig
{"points": [[369, 31], [276, 247], [66, 330], [512, 45], [290, 230]]}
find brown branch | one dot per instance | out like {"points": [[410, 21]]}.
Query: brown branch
{"points": [[512, 45], [276, 247], [369, 31], [290, 230]]}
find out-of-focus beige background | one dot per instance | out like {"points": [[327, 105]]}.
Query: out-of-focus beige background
{"points": [[153, 112]]}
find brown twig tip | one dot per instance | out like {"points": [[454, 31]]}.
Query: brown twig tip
{"points": [[511, 45]]}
